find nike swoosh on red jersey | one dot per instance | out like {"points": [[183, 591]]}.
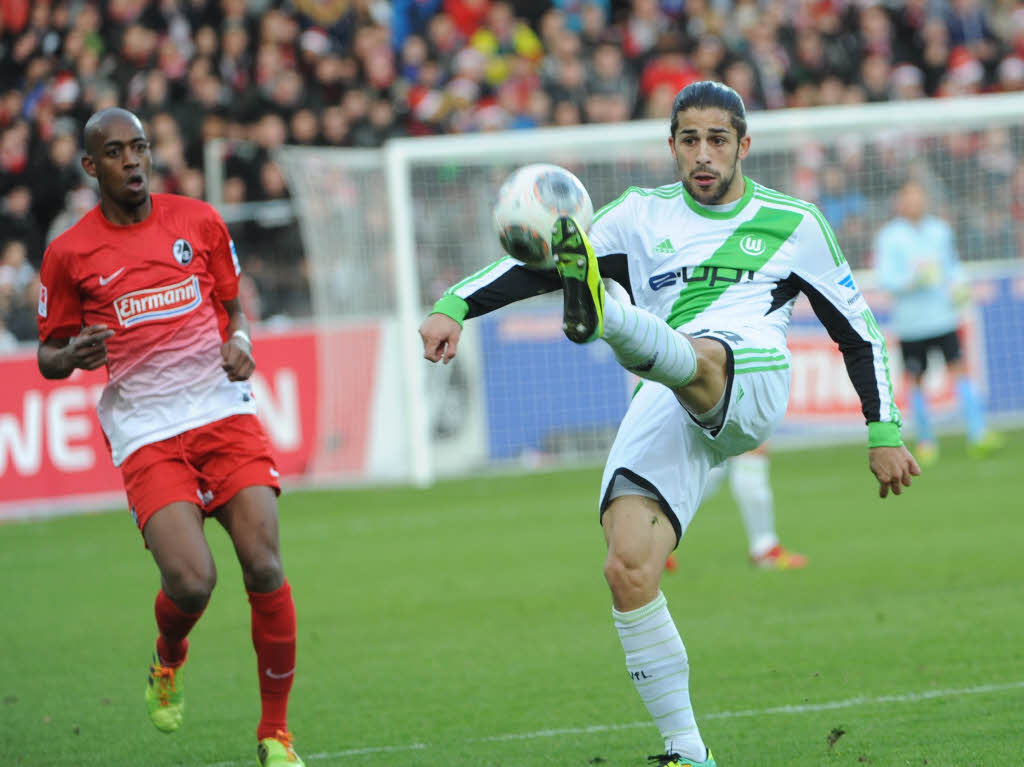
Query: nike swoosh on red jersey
{"points": [[105, 280]]}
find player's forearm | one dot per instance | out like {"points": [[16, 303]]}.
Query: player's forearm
{"points": [[237, 321], [502, 283], [55, 361]]}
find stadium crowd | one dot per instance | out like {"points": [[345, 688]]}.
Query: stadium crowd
{"points": [[354, 73]]}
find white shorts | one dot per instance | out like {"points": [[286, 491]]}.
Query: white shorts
{"points": [[661, 449]]}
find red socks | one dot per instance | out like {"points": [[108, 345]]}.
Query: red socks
{"points": [[174, 625], [273, 637]]}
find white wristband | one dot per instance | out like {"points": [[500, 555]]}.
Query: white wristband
{"points": [[243, 335]]}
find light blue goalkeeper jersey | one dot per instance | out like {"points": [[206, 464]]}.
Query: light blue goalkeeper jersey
{"points": [[702, 269], [918, 264]]}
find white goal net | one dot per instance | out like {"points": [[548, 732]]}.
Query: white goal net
{"points": [[387, 231]]}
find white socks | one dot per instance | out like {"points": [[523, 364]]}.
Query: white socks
{"points": [[748, 480], [645, 345], [656, 661]]}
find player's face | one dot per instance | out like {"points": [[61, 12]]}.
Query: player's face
{"points": [[120, 160], [913, 201], [708, 152]]}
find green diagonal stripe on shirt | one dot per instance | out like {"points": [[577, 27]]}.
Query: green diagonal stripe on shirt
{"points": [[766, 232]]}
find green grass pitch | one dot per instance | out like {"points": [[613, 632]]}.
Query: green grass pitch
{"points": [[469, 624]]}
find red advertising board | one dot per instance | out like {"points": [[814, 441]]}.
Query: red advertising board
{"points": [[52, 450], [820, 388]]}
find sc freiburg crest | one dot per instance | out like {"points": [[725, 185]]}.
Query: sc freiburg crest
{"points": [[182, 252]]}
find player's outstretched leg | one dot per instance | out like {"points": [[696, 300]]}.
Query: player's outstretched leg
{"points": [[165, 695], [582, 288], [643, 343]]}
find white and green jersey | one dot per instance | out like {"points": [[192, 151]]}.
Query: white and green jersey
{"points": [[705, 269]]}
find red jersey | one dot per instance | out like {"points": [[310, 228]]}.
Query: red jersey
{"points": [[158, 285]]}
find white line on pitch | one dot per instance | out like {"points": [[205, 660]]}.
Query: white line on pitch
{"points": [[805, 708]]}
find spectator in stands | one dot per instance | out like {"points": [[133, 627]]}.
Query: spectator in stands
{"points": [[17, 222], [968, 25], [19, 291], [838, 201], [411, 17], [643, 28], [8, 341]]}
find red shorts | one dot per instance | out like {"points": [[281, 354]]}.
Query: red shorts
{"points": [[205, 466]]}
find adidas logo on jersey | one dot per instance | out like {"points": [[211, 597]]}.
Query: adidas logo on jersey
{"points": [[664, 248], [158, 303]]}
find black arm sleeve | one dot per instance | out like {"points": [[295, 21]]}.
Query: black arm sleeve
{"points": [[519, 283], [858, 353]]}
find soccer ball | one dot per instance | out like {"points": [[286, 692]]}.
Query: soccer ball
{"points": [[529, 202]]}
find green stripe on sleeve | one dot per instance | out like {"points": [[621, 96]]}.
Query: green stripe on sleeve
{"points": [[876, 333], [477, 275]]}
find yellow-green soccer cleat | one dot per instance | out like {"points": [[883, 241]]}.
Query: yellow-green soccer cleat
{"points": [[165, 697], [926, 453], [277, 751], [675, 760], [988, 444], [582, 288]]}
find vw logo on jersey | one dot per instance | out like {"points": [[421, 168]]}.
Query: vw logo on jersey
{"points": [[182, 252], [753, 246]]}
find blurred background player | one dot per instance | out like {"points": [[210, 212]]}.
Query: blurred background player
{"points": [[147, 285], [751, 488], [918, 264]]}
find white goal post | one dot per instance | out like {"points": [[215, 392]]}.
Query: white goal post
{"points": [[386, 231]]}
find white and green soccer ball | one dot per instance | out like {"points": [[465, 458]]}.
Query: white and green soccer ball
{"points": [[529, 202]]}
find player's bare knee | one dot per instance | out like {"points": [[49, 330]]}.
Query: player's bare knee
{"points": [[263, 573], [629, 579], [190, 588]]}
